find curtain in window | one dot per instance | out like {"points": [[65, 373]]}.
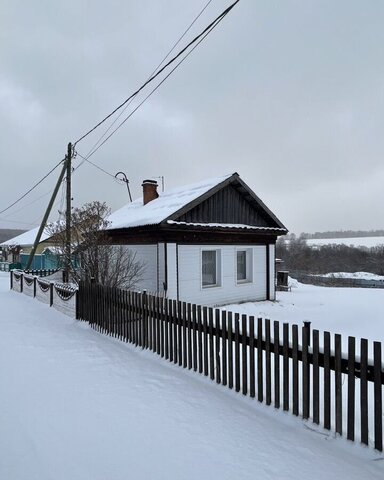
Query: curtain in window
{"points": [[241, 265], [209, 267]]}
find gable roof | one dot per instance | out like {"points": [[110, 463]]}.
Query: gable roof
{"points": [[136, 214], [26, 238], [170, 205]]}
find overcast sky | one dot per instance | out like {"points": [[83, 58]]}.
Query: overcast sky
{"points": [[288, 93]]}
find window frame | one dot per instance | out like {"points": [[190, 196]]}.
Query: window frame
{"points": [[218, 268], [248, 266]]}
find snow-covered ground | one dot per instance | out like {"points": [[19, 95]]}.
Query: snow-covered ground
{"points": [[356, 312], [77, 405], [354, 241], [354, 275]]}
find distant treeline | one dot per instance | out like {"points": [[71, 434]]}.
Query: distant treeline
{"points": [[7, 233], [344, 234], [298, 256]]}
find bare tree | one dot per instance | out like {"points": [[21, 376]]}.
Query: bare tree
{"points": [[92, 255]]}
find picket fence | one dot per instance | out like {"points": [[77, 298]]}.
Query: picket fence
{"points": [[284, 366]]}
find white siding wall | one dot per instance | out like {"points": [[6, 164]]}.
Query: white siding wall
{"points": [[272, 272], [148, 255], [161, 266], [172, 270], [190, 283]]}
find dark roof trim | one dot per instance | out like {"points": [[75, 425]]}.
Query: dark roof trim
{"points": [[201, 199], [260, 203]]}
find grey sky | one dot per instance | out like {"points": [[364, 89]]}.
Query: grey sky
{"points": [[287, 93]]}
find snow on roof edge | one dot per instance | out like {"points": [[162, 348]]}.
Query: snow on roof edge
{"points": [[26, 238], [226, 225]]}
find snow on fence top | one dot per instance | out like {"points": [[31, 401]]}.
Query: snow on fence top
{"points": [[62, 296]]}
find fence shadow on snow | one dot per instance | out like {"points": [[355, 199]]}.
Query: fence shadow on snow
{"points": [[290, 368]]}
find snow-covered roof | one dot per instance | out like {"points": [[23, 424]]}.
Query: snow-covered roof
{"points": [[136, 214], [26, 238], [224, 225]]}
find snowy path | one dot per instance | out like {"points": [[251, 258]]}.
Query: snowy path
{"points": [[77, 405]]}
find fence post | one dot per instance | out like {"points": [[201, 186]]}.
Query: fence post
{"points": [[307, 365], [145, 319], [34, 287], [50, 294], [11, 279], [378, 403], [338, 387], [77, 304], [21, 282]]}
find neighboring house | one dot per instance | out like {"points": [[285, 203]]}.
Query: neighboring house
{"points": [[209, 243], [17, 250]]}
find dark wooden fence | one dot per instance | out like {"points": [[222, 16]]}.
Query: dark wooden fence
{"points": [[289, 367]]}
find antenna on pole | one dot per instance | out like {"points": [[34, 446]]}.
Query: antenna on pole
{"points": [[162, 181], [126, 181]]}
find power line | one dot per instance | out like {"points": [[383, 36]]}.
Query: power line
{"points": [[27, 204], [32, 188], [90, 152], [207, 32], [85, 159], [199, 36], [16, 221], [150, 75], [182, 36], [143, 101]]}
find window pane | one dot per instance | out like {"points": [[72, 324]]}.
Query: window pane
{"points": [[242, 265], [209, 267]]}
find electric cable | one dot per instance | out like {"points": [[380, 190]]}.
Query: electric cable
{"points": [[85, 159], [26, 204], [32, 188], [150, 75], [17, 221], [201, 34], [146, 98], [201, 38]]}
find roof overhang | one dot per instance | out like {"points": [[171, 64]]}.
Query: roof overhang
{"points": [[193, 234]]}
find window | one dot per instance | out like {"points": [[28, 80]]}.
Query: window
{"points": [[244, 265], [210, 268], [241, 265]]}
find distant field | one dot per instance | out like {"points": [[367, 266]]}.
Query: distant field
{"points": [[355, 242]]}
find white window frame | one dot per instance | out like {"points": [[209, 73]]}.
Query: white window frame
{"points": [[218, 267], [248, 265]]}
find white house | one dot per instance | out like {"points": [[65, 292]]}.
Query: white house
{"points": [[209, 243], [17, 249]]}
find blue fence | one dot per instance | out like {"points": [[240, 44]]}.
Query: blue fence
{"points": [[43, 261]]}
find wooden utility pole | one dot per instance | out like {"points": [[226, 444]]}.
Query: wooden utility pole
{"points": [[46, 215], [67, 265]]}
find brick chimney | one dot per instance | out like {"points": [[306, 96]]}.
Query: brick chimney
{"points": [[149, 191]]}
